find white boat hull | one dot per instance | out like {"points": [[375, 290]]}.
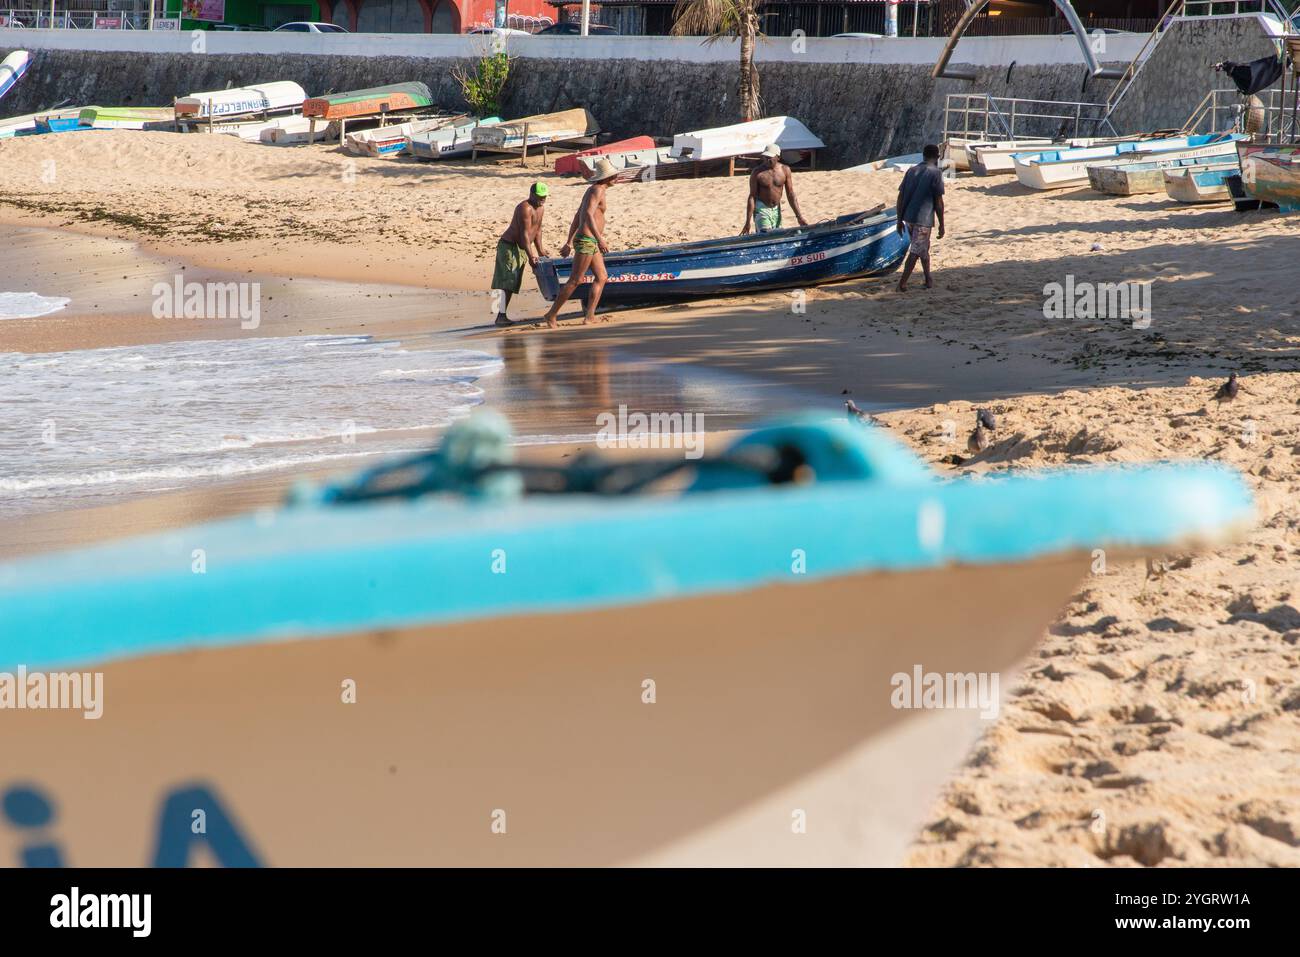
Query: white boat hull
{"points": [[744, 139], [1060, 175], [1182, 186]]}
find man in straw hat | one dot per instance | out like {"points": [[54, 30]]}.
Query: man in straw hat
{"points": [[770, 180], [587, 241], [516, 245]]}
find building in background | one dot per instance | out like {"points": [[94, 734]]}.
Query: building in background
{"points": [[358, 16], [824, 18]]}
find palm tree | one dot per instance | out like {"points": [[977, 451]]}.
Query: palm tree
{"points": [[722, 19]]}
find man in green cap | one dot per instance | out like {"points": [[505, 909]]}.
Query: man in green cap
{"points": [[516, 245]]}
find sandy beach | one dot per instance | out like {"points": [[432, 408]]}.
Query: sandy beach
{"points": [[1156, 724]]}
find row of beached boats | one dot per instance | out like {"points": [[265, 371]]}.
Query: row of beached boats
{"points": [[1204, 168]]}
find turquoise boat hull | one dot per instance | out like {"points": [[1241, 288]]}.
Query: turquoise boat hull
{"points": [[709, 678]]}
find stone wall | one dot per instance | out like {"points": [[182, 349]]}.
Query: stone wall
{"points": [[862, 110]]}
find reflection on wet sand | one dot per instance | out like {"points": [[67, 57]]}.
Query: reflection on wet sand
{"points": [[560, 386]]}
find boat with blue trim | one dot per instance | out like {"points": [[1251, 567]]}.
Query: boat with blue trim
{"points": [[1056, 169], [456, 659], [1270, 173], [1130, 179], [855, 245], [1203, 183]]}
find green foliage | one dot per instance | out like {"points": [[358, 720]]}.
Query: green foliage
{"points": [[483, 85]]}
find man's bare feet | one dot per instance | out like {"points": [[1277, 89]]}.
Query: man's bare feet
{"points": [[902, 287], [929, 283], [503, 320]]}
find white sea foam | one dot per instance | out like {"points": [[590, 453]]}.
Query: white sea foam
{"points": [[96, 422], [29, 305]]}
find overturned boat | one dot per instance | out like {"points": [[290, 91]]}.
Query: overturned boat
{"points": [[392, 140], [279, 96], [457, 660], [374, 101], [855, 245]]}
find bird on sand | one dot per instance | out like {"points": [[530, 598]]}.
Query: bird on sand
{"points": [[978, 440], [1228, 391], [985, 418], [857, 415]]}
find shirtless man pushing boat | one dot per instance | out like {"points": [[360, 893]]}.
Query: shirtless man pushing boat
{"points": [[516, 245], [587, 241], [770, 180]]}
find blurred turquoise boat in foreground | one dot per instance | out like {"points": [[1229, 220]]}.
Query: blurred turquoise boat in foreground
{"points": [[457, 660]]}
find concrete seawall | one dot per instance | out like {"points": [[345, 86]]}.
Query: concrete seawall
{"points": [[866, 99]]}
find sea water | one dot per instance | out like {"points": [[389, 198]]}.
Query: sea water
{"points": [[29, 305], [84, 427]]}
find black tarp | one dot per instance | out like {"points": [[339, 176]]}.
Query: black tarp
{"points": [[1253, 76]]}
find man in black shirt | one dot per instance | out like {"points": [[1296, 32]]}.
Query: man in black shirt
{"points": [[920, 200]]}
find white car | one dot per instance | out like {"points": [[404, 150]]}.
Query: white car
{"points": [[304, 26]]}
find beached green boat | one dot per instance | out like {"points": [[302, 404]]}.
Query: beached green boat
{"points": [[128, 117], [380, 99], [456, 660]]}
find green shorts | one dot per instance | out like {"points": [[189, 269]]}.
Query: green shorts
{"points": [[508, 275], [586, 245], [766, 218]]}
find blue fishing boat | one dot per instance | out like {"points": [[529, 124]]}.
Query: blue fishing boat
{"points": [[1205, 183], [854, 245], [60, 123], [401, 668]]}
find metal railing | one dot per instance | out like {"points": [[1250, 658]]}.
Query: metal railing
{"points": [[1191, 10], [1227, 111], [1009, 118], [80, 19]]}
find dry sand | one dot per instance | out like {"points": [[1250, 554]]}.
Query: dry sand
{"points": [[1160, 722]]}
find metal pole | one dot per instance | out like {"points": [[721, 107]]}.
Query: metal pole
{"points": [[151, 15], [586, 16]]}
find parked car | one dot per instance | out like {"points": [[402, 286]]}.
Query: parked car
{"points": [[858, 36], [305, 26], [500, 31], [570, 29]]}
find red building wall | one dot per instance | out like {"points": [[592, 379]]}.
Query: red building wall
{"points": [[464, 14]]}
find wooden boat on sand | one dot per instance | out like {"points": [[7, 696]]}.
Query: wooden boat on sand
{"points": [[1148, 176], [746, 139], [391, 140], [127, 117], [371, 102], [858, 244], [540, 129], [454, 660], [281, 96], [448, 142], [1271, 174], [1203, 183], [572, 164], [296, 129], [960, 150]]}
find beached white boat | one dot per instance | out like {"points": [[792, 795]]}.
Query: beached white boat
{"points": [[745, 139], [276, 97], [959, 150], [1206, 183], [1057, 169], [16, 125], [990, 158], [449, 142], [12, 69], [540, 129], [391, 140], [453, 660], [127, 117], [296, 129], [898, 164]]}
